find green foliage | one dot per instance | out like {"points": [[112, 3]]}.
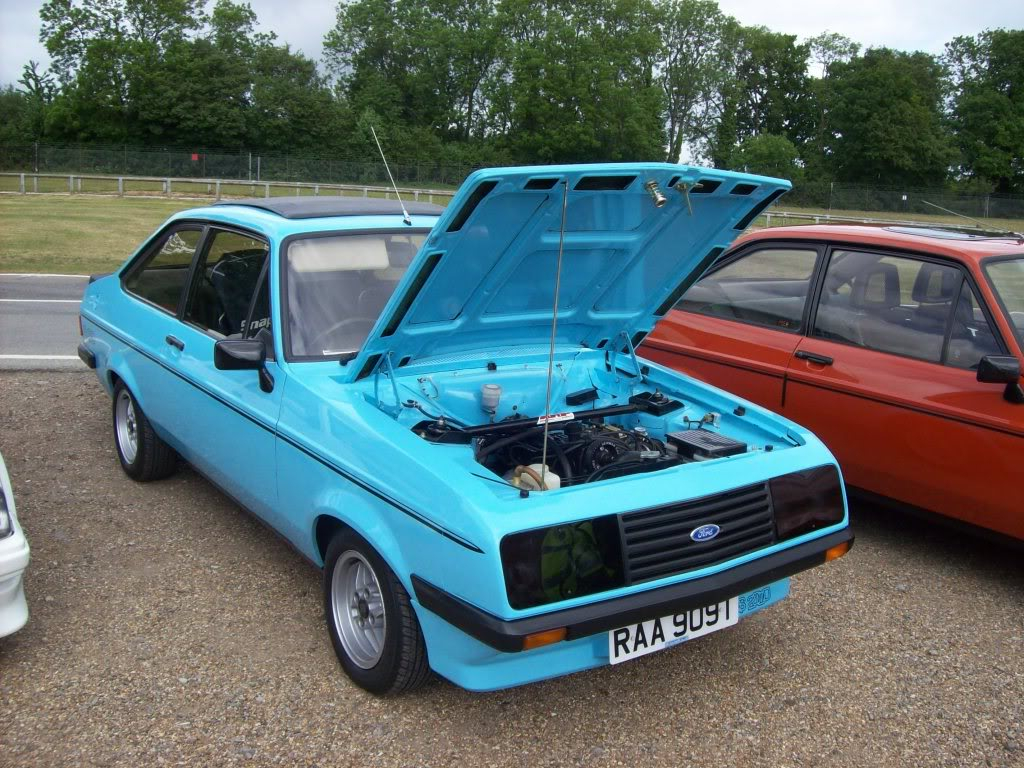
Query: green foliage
{"points": [[696, 64], [769, 155], [163, 73], [885, 116], [987, 73], [467, 82], [579, 81]]}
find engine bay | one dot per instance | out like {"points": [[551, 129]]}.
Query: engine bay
{"points": [[613, 426]]}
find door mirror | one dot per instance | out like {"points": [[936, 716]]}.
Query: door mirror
{"points": [[239, 354], [1003, 369], [999, 369]]}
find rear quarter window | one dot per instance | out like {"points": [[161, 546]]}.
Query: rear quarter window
{"points": [[160, 278]]}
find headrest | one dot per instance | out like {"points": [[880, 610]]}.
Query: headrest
{"points": [[935, 284], [877, 287]]}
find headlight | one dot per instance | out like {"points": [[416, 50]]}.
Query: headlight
{"points": [[806, 501], [6, 524], [565, 561]]}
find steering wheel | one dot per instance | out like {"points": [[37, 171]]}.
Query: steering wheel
{"points": [[317, 341]]}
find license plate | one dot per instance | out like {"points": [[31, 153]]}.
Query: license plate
{"points": [[646, 637]]}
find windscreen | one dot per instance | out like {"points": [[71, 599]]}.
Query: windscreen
{"points": [[337, 286], [1007, 278]]}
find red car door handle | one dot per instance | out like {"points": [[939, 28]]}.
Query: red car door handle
{"points": [[813, 358], [176, 343]]}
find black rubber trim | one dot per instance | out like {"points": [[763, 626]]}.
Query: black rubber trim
{"points": [[585, 620], [757, 209], [86, 356], [410, 295], [476, 197], [339, 470]]}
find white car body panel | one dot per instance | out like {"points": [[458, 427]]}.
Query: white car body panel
{"points": [[14, 557]]}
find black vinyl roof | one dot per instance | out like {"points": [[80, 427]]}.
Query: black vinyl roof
{"points": [[317, 207]]}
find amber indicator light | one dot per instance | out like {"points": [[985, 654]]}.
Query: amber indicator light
{"points": [[539, 639], [834, 553]]}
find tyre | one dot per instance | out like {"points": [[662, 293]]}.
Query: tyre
{"points": [[144, 456], [373, 627]]}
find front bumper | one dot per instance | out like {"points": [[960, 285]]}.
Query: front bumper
{"points": [[508, 635]]}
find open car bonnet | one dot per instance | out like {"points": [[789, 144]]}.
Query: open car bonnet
{"points": [[485, 277]]}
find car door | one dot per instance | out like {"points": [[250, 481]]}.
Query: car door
{"points": [[739, 325], [155, 286], [228, 420], [887, 378]]}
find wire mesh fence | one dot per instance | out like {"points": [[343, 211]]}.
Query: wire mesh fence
{"points": [[906, 202], [209, 164], [242, 165]]}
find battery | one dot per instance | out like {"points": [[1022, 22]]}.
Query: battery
{"points": [[700, 444]]}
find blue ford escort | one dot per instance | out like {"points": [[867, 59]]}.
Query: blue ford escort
{"points": [[443, 409]]}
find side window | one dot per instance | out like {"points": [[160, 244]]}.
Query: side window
{"points": [[971, 337], [161, 277], [889, 303], [768, 286], [225, 282]]}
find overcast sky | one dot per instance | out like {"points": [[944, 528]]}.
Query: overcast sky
{"points": [[903, 24]]}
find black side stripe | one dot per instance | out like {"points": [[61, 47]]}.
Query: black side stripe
{"points": [[294, 443]]}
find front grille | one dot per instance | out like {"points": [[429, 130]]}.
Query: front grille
{"points": [[657, 543]]}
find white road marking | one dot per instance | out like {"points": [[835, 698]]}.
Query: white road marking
{"points": [[43, 301], [38, 357], [39, 274]]}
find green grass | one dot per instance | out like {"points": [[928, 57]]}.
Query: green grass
{"points": [[779, 218], [83, 234], [76, 235]]}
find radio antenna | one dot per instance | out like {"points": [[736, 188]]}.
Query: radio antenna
{"points": [[405, 214], [554, 326], [981, 225]]}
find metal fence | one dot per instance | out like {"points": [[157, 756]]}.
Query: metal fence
{"points": [[202, 163], [219, 164], [167, 186], [904, 202]]}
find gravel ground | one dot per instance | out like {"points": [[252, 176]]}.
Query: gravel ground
{"points": [[169, 628]]}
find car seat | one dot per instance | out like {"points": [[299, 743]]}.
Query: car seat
{"points": [[934, 289]]}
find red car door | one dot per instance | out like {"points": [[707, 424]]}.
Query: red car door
{"points": [[739, 326], [887, 378]]}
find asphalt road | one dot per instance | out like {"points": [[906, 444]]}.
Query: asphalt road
{"points": [[169, 628], [39, 321]]}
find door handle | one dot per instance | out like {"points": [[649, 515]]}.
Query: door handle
{"points": [[176, 343], [813, 358]]}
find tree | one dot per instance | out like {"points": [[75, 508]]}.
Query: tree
{"points": [[769, 93], [769, 155], [97, 47], [696, 61], [577, 81], [831, 48], [885, 117], [987, 106], [827, 50]]}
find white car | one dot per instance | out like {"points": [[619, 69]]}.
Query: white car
{"points": [[13, 560]]}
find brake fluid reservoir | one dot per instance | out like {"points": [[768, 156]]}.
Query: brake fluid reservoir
{"points": [[490, 396]]}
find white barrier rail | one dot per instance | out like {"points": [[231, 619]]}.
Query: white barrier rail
{"points": [[28, 183]]}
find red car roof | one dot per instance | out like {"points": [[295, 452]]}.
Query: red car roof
{"points": [[937, 241]]}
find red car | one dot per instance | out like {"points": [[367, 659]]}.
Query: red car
{"points": [[900, 347]]}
